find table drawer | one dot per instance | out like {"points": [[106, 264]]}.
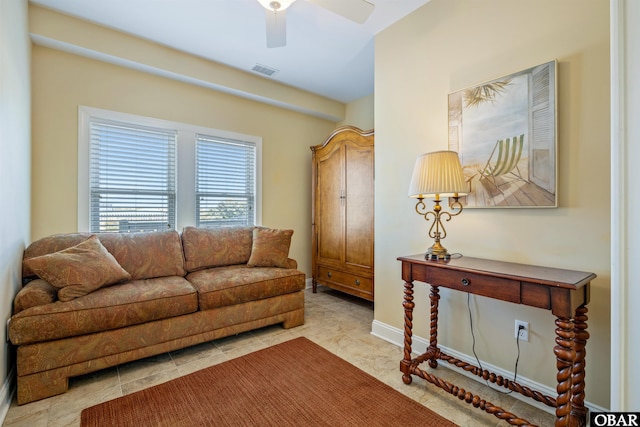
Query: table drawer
{"points": [[493, 287], [364, 284]]}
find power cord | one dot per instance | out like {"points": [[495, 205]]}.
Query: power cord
{"points": [[473, 348]]}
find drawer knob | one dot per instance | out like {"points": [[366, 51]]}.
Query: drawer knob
{"points": [[329, 273], [357, 282], [465, 282]]}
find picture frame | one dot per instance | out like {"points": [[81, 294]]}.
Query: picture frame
{"points": [[504, 131]]}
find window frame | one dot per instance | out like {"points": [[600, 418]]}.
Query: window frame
{"points": [[185, 165]]}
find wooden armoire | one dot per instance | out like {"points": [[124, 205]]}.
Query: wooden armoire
{"points": [[342, 212]]}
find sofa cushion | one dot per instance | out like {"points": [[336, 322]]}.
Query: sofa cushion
{"points": [[36, 292], [143, 255], [79, 270], [147, 254], [234, 284], [113, 307], [216, 247], [270, 248]]}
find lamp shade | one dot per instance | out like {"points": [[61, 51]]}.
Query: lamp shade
{"points": [[278, 5], [437, 173]]}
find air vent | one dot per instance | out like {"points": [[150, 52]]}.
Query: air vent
{"points": [[263, 69]]}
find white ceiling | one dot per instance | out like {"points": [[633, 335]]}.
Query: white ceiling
{"points": [[326, 54]]}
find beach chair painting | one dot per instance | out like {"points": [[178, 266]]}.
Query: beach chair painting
{"points": [[503, 160], [504, 131]]}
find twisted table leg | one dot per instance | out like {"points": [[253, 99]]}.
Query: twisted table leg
{"points": [[408, 304], [578, 411], [434, 296], [565, 357]]}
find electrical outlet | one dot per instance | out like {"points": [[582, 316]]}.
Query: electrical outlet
{"points": [[522, 330]]}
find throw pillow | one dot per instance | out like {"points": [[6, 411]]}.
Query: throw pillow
{"points": [[79, 270], [270, 248]]}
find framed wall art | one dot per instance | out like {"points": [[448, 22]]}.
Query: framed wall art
{"points": [[505, 133]]}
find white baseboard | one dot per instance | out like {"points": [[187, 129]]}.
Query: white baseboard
{"points": [[308, 282], [6, 394], [419, 346]]}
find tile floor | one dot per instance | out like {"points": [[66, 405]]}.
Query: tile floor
{"points": [[338, 322]]}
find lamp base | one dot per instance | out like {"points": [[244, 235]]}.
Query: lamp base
{"points": [[437, 251]]}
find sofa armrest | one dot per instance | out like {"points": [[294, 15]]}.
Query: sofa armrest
{"points": [[35, 293], [292, 263]]}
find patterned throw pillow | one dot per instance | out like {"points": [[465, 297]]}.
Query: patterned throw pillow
{"points": [[270, 248], [79, 270]]}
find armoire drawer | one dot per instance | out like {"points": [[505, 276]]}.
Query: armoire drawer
{"points": [[364, 284]]}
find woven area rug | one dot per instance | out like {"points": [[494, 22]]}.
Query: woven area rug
{"points": [[296, 383]]}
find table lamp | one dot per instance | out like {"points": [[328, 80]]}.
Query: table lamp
{"points": [[435, 175]]}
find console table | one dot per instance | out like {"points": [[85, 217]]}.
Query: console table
{"points": [[564, 292]]}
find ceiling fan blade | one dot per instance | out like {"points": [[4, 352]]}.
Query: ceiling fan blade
{"points": [[355, 10], [276, 28]]}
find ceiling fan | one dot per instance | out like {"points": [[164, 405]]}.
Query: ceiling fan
{"points": [[276, 12]]}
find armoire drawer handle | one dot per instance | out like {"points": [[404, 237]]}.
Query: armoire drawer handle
{"points": [[328, 273], [465, 282], [357, 282]]}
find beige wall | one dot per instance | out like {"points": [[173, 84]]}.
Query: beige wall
{"points": [[14, 169], [448, 45], [62, 82], [359, 113]]}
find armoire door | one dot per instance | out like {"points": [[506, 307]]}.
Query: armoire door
{"points": [[358, 229], [330, 203]]}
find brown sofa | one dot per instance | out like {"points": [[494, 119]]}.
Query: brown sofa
{"points": [[171, 290]]}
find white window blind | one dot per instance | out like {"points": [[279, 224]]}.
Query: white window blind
{"points": [[132, 177], [225, 182]]}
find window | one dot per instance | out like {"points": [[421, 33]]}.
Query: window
{"points": [[141, 174], [225, 182], [132, 177]]}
